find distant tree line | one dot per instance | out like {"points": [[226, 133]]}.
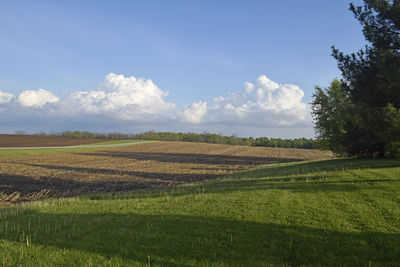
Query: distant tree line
{"points": [[228, 140], [194, 137]]}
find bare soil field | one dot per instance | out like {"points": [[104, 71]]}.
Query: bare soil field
{"points": [[14, 140], [153, 165]]}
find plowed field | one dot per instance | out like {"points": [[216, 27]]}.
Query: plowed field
{"points": [[14, 140], [128, 168]]}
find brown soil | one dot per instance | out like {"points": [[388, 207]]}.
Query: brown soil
{"points": [[14, 140], [132, 167]]}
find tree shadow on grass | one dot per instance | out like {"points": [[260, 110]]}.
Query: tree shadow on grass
{"points": [[209, 159], [168, 239]]}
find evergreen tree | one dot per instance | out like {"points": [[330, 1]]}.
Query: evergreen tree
{"points": [[371, 81]]}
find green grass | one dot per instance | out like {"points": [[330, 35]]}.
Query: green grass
{"points": [[35, 151], [326, 213]]}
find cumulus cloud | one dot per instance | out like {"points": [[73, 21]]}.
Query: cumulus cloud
{"points": [[38, 98], [194, 113], [263, 103], [126, 97], [120, 101], [5, 97]]}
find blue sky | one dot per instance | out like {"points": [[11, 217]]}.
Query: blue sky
{"points": [[194, 50]]}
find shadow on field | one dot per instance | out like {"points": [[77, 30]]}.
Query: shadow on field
{"points": [[29, 188], [209, 159], [174, 239]]}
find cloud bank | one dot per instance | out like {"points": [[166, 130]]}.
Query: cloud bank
{"points": [[121, 97], [263, 103], [121, 100]]}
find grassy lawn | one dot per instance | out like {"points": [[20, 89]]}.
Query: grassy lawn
{"points": [[334, 212]]}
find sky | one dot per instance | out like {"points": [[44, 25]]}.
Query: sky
{"points": [[232, 67]]}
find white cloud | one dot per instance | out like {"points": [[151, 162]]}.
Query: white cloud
{"points": [[194, 113], [123, 102], [263, 103], [126, 97], [38, 98], [5, 97]]}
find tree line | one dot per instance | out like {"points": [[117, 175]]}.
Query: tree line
{"points": [[194, 137]]}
